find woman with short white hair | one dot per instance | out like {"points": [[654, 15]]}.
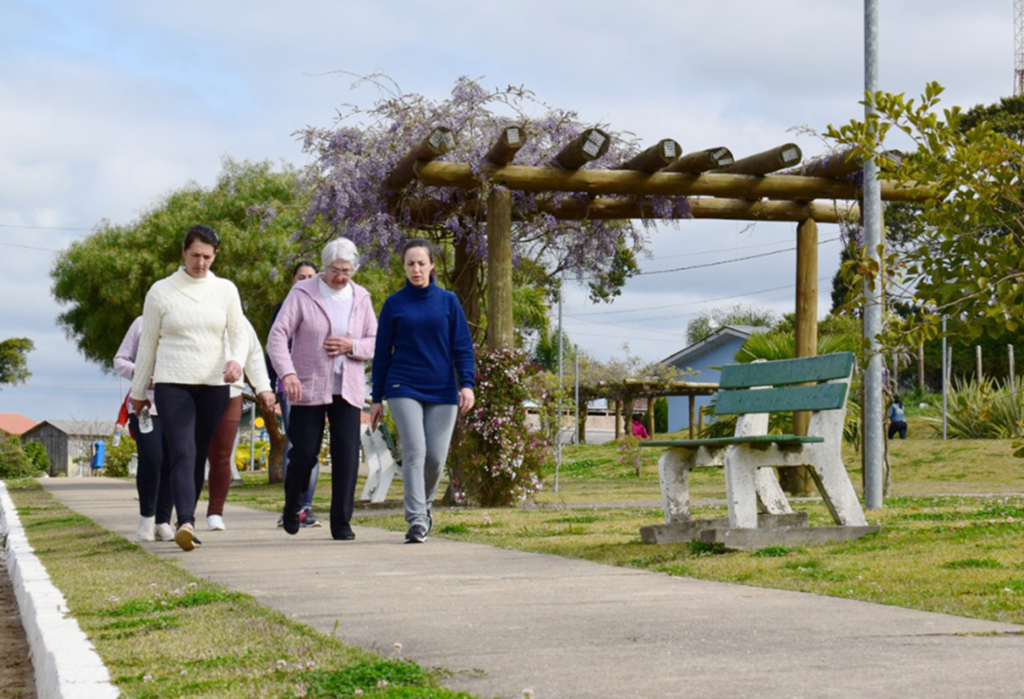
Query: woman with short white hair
{"points": [[330, 324]]}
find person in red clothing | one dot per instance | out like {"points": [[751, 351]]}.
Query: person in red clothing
{"points": [[638, 427]]}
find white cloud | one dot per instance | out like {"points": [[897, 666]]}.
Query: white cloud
{"points": [[109, 105]]}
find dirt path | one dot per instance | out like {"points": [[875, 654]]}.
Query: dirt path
{"points": [[15, 665]]}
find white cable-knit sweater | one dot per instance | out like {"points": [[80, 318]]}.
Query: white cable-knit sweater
{"points": [[183, 324]]}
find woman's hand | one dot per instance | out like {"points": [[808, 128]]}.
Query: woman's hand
{"points": [[232, 371], [292, 388], [376, 413], [338, 345], [138, 405], [466, 400], [267, 402]]}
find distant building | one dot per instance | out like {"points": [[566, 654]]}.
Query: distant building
{"points": [[13, 424], [718, 348], [68, 443]]}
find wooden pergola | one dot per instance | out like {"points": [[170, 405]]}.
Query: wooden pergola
{"points": [[770, 186]]}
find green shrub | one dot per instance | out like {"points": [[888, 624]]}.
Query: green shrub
{"points": [[116, 460], [36, 453], [982, 410], [495, 459], [14, 462]]}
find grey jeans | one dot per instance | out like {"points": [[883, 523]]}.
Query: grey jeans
{"points": [[425, 430]]}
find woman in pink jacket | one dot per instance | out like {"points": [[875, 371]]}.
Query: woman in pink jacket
{"points": [[330, 322]]}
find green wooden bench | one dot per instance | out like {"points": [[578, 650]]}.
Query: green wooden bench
{"points": [[759, 512]]}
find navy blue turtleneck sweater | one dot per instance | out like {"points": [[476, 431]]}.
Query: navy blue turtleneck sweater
{"points": [[424, 349]]}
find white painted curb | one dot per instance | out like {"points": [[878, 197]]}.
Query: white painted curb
{"points": [[65, 661]]}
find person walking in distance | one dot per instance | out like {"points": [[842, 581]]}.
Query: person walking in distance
{"points": [[222, 445], [151, 478], [897, 419], [183, 350], [425, 368], [318, 345], [303, 269]]}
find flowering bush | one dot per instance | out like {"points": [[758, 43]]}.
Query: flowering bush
{"points": [[497, 460]]}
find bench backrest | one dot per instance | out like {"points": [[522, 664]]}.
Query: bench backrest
{"points": [[734, 398]]}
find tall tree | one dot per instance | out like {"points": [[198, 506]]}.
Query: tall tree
{"points": [[102, 279], [964, 254], [13, 362], [349, 189], [706, 322], [257, 210]]}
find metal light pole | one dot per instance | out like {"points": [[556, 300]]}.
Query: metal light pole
{"points": [[872, 208], [576, 375], [558, 402], [945, 376]]}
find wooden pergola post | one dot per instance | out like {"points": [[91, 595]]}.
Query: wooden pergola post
{"points": [[693, 414], [797, 480], [499, 269], [650, 416]]}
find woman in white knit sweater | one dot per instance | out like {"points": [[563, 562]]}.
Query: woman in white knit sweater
{"points": [[182, 348]]}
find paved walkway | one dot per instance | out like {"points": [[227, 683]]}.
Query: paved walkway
{"points": [[569, 628]]}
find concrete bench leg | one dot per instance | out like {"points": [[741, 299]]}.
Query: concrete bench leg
{"points": [[770, 495], [835, 487], [740, 489], [674, 474]]}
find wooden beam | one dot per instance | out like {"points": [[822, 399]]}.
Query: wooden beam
{"points": [[589, 145], [773, 160], [702, 161], [806, 325], [500, 332], [439, 142], [424, 212], [610, 208], [504, 150], [843, 164], [596, 182], [798, 480], [654, 158], [839, 164]]}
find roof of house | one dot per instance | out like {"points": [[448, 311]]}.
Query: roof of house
{"points": [[79, 428], [15, 424], [722, 336]]}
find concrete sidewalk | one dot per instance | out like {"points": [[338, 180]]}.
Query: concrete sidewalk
{"points": [[503, 621]]}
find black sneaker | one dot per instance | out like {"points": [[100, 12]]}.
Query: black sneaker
{"points": [[416, 534]]}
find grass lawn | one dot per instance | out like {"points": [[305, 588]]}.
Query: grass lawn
{"points": [[952, 541], [164, 633], [952, 535]]}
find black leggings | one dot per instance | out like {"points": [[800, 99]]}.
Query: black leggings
{"points": [[189, 414], [151, 477], [306, 432]]}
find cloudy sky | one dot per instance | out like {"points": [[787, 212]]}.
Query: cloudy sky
{"points": [[105, 106]]}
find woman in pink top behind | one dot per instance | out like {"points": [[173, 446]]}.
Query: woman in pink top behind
{"points": [[330, 322]]}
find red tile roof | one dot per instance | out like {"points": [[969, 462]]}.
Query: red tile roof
{"points": [[15, 424]]}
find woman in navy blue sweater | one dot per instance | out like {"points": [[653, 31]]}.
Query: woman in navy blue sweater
{"points": [[424, 366]]}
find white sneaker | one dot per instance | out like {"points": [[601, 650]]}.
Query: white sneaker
{"points": [[215, 523], [146, 530], [164, 532]]}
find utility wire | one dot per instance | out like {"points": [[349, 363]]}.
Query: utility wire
{"points": [[729, 261], [43, 228]]}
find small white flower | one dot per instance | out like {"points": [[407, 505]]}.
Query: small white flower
{"points": [[527, 693], [381, 683], [147, 678], [398, 649]]}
